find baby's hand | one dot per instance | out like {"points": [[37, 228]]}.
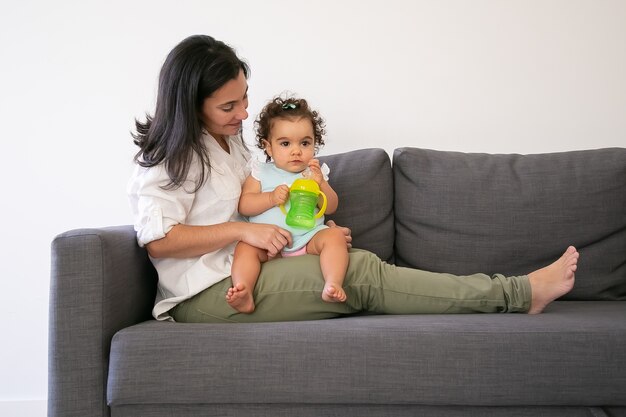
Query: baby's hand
{"points": [[280, 195], [316, 171]]}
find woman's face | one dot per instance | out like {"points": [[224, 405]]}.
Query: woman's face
{"points": [[224, 110]]}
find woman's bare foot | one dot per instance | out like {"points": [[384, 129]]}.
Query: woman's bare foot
{"points": [[333, 293], [240, 298], [553, 281]]}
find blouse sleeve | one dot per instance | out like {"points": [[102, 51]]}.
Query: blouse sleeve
{"points": [[254, 167], [325, 171], [155, 209]]}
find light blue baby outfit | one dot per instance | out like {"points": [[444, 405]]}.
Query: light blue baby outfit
{"points": [[271, 177]]}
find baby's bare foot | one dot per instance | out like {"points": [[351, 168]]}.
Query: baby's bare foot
{"points": [[333, 293], [553, 281], [240, 298]]}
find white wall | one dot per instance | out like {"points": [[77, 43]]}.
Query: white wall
{"points": [[496, 76]]}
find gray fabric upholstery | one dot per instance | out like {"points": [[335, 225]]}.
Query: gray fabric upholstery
{"points": [[101, 282], [464, 213], [350, 410], [476, 360], [569, 361], [364, 182]]}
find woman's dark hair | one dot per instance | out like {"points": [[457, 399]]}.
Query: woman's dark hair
{"points": [[193, 71], [287, 108]]}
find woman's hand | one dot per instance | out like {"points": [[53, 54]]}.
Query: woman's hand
{"points": [[346, 231], [267, 237]]}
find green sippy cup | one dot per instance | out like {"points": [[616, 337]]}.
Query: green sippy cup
{"points": [[303, 196]]}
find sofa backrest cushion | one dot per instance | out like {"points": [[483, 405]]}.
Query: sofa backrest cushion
{"points": [[364, 183], [465, 213]]}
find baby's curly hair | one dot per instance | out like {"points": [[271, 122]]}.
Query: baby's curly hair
{"points": [[287, 108]]}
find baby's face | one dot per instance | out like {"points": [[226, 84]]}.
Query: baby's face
{"points": [[291, 143]]}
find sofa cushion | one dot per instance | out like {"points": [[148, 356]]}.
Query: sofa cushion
{"points": [[364, 183], [464, 213], [572, 354]]}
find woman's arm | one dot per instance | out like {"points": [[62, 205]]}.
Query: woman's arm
{"points": [[253, 202], [184, 241]]}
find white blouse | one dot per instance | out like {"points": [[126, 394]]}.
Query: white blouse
{"points": [[156, 211]]}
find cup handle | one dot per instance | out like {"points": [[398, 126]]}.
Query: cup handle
{"points": [[282, 208], [323, 209]]}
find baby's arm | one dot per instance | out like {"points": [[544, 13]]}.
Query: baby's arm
{"points": [[331, 196], [253, 202]]}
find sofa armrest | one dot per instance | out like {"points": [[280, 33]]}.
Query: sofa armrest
{"points": [[101, 282]]}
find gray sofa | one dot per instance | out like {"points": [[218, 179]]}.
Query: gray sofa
{"points": [[440, 211]]}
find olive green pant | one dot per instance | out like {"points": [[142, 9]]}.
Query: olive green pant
{"points": [[291, 289]]}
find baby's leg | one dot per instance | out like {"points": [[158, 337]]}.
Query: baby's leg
{"points": [[330, 245], [245, 272]]}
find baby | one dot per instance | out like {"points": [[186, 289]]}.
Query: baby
{"points": [[290, 133]]}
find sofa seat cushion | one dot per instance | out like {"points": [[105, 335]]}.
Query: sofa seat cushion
{"points": [[464, 213], [573, 355]]}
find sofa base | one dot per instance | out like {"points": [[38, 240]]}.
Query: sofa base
{"points": [[342, 410], [572, 355]]}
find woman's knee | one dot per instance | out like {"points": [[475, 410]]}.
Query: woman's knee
{"points": [[363, 255], [363, 262]]}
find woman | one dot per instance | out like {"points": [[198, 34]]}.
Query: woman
{"points": [[184, 194]]}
